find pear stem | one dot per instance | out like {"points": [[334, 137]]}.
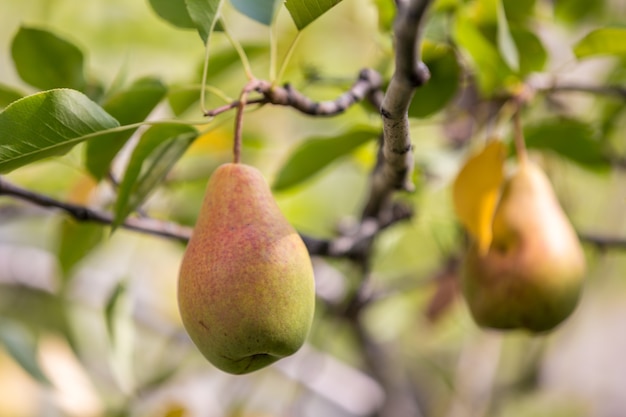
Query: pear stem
{"points": [[241, 105], [520, 144]]}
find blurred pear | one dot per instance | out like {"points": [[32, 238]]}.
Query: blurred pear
{"points": [[532, 274]]}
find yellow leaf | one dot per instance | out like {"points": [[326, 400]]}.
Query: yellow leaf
{"points": [[214, 140], [476, 189], [175, 410]]}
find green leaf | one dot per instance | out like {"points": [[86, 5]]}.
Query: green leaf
{"points": [[110, 308], [263, 11], [532, 54], [570, 138], [605, 41], [38, 310], [157, 151], [440, 6], [518, 10], [506, 44], [128, 106], [488, 66], [304, 12], [204, 14], [47, 124], [46, 61], [386, 14], [443, 84], [313, 154], [174, 12], [22, 346], [8, 95], [482, 12], [578, 11], [76, 240]]}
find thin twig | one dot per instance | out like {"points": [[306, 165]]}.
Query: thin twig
{"points": [[86, 214], [368, 83], [345, 246], [605, 90]]}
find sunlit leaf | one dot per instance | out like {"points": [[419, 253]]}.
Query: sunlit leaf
{"points": [[46, 61], [506, 44], [304, 12], [605, 41], [518, 10], [443, 83], [313, 154], [8, 95], [204, 14], [263, 11], [157, 151], [482, 12], [442, 5], [386, 14], [577, 11], [22, 346], [174, 12], [128, 106], [476, 189], [570, 138], [48, 124]]}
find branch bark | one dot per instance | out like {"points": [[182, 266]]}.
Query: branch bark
{"points": [[367, 86], [347, 246], [394, 171], [86, 214]]}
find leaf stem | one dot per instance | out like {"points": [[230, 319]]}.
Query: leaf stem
{"points": [[205, 73], [288, 55], [240, 51]]}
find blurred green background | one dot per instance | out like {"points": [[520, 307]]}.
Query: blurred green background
{"points": [[88, 321]]}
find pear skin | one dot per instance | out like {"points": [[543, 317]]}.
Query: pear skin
{"points": [[532, 274], [246, 290]]}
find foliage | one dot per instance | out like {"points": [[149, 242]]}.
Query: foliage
{"points": [[101, 106]]}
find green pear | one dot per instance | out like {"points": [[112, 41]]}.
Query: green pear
{"points": [[532, 274], [246, 290]]}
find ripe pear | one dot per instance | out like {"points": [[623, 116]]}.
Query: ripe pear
{"points": [[246, 290], [532, 274]]}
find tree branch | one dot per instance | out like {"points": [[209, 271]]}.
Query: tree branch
{"points": [[605, 90], [347, 246], [86, 214], [366, 86], [394, 171]]}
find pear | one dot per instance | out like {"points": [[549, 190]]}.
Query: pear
{"points": [[246, 290], [532, 273]]}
